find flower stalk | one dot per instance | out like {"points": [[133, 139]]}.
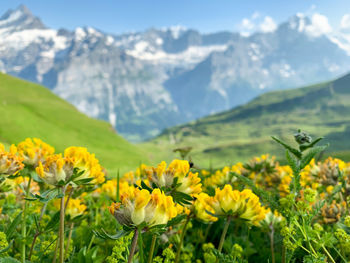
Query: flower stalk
{"points": [[153, 244], [24, 221], [177, 258], [37, 233], [271, 235], [61, 230], [223, 235], [133, 245], [69, 239]]}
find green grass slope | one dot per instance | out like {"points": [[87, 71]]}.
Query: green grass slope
{"points": [[30, 110], [239, 134]]}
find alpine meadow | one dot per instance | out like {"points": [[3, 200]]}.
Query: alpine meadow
{"points": [[174, 131]]}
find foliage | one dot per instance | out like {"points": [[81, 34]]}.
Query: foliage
{"points": [[256, 211]]}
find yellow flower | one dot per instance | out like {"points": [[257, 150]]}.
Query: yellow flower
{"points": [[110, 188], [86, 162], [74, 208], [141, 206], [10, 163], [271, 218], [22, 183], [243, 204], [34, 151], [188, 182], [202, 208], [56, 169], [222, 177]]}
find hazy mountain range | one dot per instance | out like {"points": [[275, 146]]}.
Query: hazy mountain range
{"points": [[147, 81]]}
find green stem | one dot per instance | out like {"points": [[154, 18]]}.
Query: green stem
{"points": [[283, 254], [62, 210], [271, 234], [329, 255], [69, 239], [223, 235], [96, 224], [178, 252], [24, 221], [37, 233], [141, 254], [153, 244], [133, 245]]}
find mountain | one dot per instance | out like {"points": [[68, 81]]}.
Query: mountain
{"points": [[144, 82], [245, 131], [30, 110]]}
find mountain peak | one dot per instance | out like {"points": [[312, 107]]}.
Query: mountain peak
{"points": [[19, 19]]}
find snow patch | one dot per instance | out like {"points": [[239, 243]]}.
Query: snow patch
{"points": [[13, 17]]}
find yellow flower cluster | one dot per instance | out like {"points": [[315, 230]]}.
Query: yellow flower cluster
{"points": [[224, 176], [239, 204], [34, 151], [10, 163], [75, 207], [189, 183], [202, 208], [271, 218], [110, 188], [141, 206], [56, 169], [87, 162]]}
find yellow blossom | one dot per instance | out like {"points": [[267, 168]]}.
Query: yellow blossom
{"points": [[10, 163], [141, 206], [243, 204], [74, 208], [34, 151], [163, 176], [56, 169], [86, 163]]}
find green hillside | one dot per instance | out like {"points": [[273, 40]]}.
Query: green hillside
{"points": [[30, 110], [239, 134]]}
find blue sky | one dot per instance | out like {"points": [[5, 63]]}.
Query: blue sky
{"points": [[117, 16]]}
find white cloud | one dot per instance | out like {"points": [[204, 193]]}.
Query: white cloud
{"points": [[257, 22], [345, 22], [268, 25], [247, 24], [319, 25], [255, 15]]}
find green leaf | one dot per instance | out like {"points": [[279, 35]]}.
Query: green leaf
{"points": [[104, 235], [53, 222], [294, 151], [293, 163], [182, 198], [304, 147], [176, 220], [311, 154], [9, 260], [13, 225], [144, 186], [83, 181]]}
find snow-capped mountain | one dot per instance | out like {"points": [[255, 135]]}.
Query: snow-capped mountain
{"points": [[147, 81]]}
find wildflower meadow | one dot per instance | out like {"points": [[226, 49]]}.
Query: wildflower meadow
{"points": [[66, 207]]}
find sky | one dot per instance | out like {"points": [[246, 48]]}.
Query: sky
{"points": [[120, 16]]}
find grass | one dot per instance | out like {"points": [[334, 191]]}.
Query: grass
{"points": [[30, 110], [243, 132]]}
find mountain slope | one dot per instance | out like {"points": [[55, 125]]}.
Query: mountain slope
{"points": [[238, 134], [146, 81], [30, 110]]}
